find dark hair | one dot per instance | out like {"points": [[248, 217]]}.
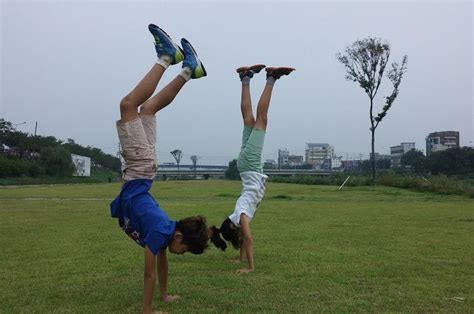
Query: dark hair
{"points": [[230, 232], [195, 233]]}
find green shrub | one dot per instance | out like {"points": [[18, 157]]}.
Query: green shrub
{"points": [[35, 170], [232, 172], [438, 184], [13, 167], [57, 161]]}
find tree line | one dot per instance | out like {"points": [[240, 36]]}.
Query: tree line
{"points": [[22, 154], [453, 161], [456, 161]]}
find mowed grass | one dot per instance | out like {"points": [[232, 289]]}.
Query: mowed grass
{"points": [[317, 250]]}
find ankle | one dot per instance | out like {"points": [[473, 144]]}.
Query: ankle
{"points": [[186, 73], [271, 80], [164, 61]]}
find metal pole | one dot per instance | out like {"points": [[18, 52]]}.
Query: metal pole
{"points": [[343, 183]]}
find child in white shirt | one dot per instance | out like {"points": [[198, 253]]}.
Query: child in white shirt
{"points": [[236, 228]]}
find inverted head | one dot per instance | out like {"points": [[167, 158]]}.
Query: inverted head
{"points": [[230, 232], [191, 235]]}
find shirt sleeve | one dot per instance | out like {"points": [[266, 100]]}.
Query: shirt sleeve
{"points": [[115, 207], [155, 241]]}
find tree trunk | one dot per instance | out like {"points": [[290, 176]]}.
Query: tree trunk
{"points": [[373, 157]]}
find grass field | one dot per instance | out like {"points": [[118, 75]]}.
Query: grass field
{"points": [[362, 249]]}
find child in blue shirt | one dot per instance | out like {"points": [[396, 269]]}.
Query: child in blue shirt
{"points": [[139, 215]]}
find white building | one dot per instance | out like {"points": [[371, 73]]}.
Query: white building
{"points": [[438, 141], [396, 153], [283, 155], [332, 163], [82, 165], [317, 153]]}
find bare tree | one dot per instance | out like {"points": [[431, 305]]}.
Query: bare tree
{"points": [[365, 63], [177, 154], [194, 159]]}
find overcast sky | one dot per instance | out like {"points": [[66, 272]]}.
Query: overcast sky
{"points": [[67, 65]]}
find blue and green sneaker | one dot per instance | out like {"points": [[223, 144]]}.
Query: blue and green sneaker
{"points": [[192, 61], [164, 45]]}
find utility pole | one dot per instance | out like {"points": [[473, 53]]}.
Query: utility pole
{"points": [[36, 127], [119, 152], [194, 159]]}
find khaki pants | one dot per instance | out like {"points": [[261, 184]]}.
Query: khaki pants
{"points": [[137, 139]]}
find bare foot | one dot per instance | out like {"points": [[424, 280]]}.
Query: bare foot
{"points": [[170, 298], [244, 271]]}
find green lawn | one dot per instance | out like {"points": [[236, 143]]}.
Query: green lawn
{"points": [[358, 250]]}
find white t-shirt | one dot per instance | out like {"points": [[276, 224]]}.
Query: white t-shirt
{"points": [[253, 189]]}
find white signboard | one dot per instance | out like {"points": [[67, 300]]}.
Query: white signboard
{"points": [[82, 164]]}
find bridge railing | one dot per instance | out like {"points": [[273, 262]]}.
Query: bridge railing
{"points": [[221, 173]]}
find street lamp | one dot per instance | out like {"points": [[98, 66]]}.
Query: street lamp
{"points": [[17, 124]]}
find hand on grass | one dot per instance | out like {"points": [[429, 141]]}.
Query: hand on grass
{"points": [[170, 298], [244, 271]]}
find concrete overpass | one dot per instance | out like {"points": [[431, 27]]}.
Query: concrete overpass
{"points": [[220, 173]]}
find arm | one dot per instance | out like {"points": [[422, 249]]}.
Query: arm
{"points": [[163, 277], [163, 274], [149, 280], [243, 256], [247, 244]]}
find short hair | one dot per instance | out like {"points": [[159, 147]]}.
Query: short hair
{"points": [[195, 233], [230, 232]]}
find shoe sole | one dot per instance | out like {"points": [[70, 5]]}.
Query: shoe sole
{"points": [[279, 68], [287, 70], [196, 56], [256, 66]]}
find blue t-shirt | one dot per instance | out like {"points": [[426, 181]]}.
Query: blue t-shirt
{"points": [[141, 217]]}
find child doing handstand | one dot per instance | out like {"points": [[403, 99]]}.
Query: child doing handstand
{"points": [[236, 227], [139, 215]]}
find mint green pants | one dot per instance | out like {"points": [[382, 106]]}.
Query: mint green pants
{"points": [[250, 157]]}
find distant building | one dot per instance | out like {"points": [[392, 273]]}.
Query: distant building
{"points": [[350, 165], [283, 155], [396, 153], [333, 163], [295, 161], [385, 158], [438, 141], [270, 163], [317, 153], [82, 165], [4, 148], [379, 156]]}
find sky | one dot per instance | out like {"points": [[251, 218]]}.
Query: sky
{"points": [[67, 65]]}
